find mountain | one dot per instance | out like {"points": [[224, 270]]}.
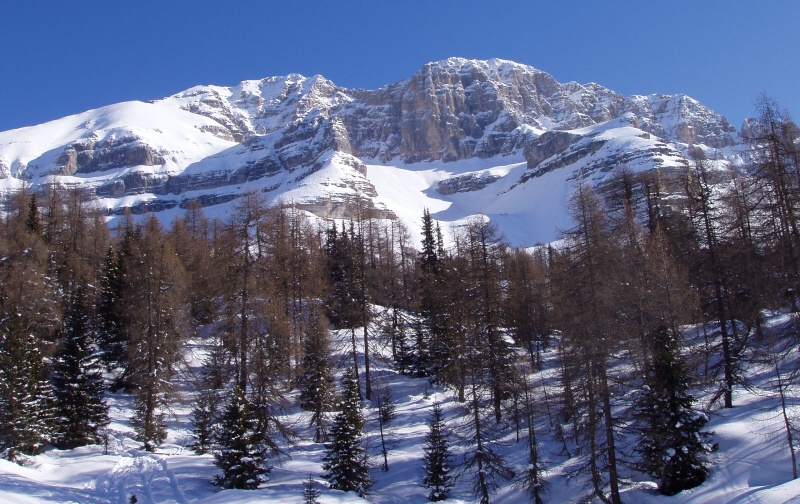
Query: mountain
{"points": [[461, 137]]}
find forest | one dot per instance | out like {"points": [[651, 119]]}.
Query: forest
{"points": [[88, 309]]}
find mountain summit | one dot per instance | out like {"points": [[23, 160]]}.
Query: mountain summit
{"points": [[460, 137]]}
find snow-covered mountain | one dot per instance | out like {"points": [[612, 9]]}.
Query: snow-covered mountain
{"points": [[461, 137]]}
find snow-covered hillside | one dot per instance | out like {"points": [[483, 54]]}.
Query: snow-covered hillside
{"points": [[751, 465], [494, 137]]}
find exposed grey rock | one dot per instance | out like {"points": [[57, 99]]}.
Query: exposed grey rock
{"points": [[466, 183], [88, 155], [548, 145]]}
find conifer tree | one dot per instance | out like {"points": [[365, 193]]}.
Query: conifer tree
{"points": [[386, 406], [205, 415], [673, 442], [111, 338], [433, 346], [32, 223], [437, 460], [484, 250], [310, 492], [532, 479], [715, 276], [241, 453], [77, 378], [345, 460], [26, 397], [156, 333], [488, 465], [316, 378], [385, 414], [585, 283], [204, 420]]}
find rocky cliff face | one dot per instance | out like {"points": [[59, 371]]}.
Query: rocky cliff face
{"points": [[450, 110], [210, 143]]}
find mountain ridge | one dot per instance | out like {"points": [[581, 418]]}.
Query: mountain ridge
{"points": [[209, 144]]}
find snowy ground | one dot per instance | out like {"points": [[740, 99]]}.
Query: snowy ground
{"points": [[751, 466]]}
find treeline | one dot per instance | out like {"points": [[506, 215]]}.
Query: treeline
{"points": [[85, 309]]}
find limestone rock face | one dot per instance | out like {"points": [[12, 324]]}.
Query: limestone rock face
{"points": [[469, 182], [89, 155], [547, 145]]}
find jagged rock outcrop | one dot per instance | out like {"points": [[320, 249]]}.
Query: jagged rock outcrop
{"points": [[469, 182], [89, 155]]}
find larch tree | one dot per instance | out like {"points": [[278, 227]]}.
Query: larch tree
{"points": [[713, 273], [588, 320], [484, 250], [156, 333]]}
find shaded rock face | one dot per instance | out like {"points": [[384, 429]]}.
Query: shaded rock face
{"points": [[459, 109], [548, 145], [89, 155], [595, 154], [468, 182]]}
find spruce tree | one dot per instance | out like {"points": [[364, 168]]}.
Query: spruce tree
{"points": [[673, 443], [111, 338], [204, 420], [32, 223], [310, 492], [241, 453], [205, 415], [27, 409], [437, 461], [433, 346], [345, 460], [77, 379], [316, 377]]}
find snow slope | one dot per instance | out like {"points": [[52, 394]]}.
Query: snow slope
{"points": [[751, 466]]}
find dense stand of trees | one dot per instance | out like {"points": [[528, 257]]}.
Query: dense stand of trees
{"points": [[85, 309]]}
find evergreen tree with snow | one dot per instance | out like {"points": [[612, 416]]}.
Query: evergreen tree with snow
{"points": [[217, 371], [437, 461], [27, 410], [204, 420], [77, 378], [345, 460], [316, 378], [241, 453], [112, 340], [310, 492], [673, 443], [433, 345]]}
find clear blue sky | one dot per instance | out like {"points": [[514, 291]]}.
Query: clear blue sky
{"points": [[63, 57]]}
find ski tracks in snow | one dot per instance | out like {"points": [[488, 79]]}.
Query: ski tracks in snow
{"points": [[139, 473]]}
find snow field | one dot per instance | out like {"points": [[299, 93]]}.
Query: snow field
{"points": [[751, 466]]}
